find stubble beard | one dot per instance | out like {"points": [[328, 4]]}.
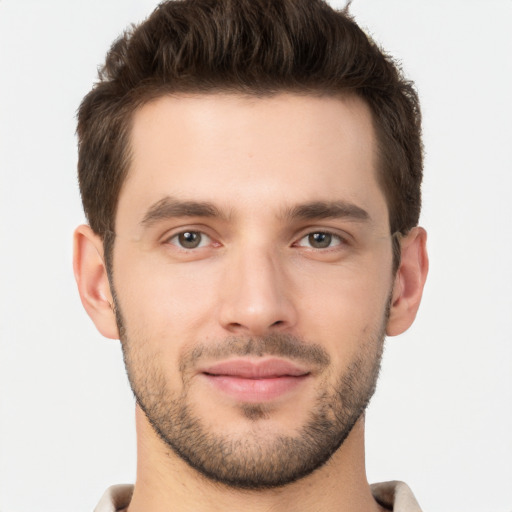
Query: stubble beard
{"points": [[254, 459]]}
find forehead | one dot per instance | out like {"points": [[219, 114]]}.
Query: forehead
{"points": [[243, 152]]}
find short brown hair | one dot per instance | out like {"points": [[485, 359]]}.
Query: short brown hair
{"points": [[257, 47]]}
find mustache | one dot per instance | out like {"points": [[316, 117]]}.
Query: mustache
{"points": [[281, 345]]}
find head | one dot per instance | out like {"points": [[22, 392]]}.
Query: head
{"points": [[251, 174]]}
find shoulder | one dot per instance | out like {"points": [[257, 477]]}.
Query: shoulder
{"points": [[395, 496], [115, 498]]}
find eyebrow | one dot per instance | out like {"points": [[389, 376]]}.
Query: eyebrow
{"points": [[327, 210], [170, 207]]}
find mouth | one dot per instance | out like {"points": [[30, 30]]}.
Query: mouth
{"points": [[255, 381]]}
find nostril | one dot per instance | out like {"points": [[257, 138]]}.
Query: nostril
{"points": [[279, 322]]}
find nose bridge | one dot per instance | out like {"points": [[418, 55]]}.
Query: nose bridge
{"points": [[256, 299]]}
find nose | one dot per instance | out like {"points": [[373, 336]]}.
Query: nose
{"points": [[257, 295]]}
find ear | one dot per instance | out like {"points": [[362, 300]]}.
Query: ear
{"points": [[92, 280], [409, 282]]}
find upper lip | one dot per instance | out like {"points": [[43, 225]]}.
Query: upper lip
{"points": [[255, 369]]}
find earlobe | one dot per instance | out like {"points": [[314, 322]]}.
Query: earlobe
{"points": [[92, 280], [409, 282]]}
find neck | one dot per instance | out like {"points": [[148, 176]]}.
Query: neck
{"points": [[165, 482]]}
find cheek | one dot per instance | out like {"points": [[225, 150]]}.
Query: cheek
{"points": [[345, 307], [163, 313], [161, 300], [174, 306]]}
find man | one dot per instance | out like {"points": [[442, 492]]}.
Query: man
{"points": [[251, 176]]}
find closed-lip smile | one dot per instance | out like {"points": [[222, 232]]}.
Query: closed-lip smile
{"points": [[255, 380]]}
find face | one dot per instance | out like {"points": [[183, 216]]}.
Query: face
{"points": [[252, 273]]}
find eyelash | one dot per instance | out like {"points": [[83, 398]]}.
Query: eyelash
{"points": [[340, 240], [188, 232], [328, 234]]}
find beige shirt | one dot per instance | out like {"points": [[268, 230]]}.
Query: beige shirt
{"points": [[395, 496]]}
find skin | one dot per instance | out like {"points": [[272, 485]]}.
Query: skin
{"points": [[256, 160]]}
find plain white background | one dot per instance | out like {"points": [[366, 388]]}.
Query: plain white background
{"points": [[441, 419]]}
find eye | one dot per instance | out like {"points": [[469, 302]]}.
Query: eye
{"points": [[190, 240], [320, 240]]}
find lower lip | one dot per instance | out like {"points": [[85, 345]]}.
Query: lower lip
{"points": [[255, 390]]}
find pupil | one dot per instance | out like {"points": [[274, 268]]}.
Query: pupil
{"points": [[190, 240], [320, 240]]}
